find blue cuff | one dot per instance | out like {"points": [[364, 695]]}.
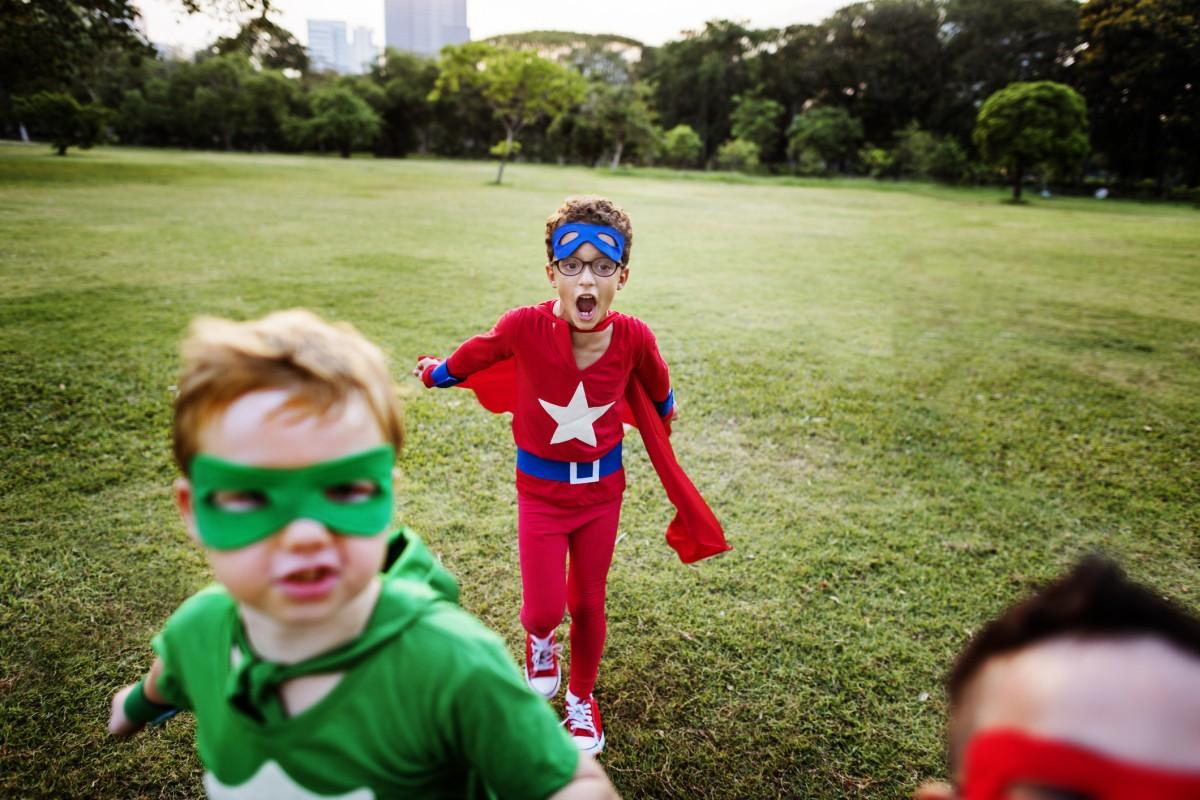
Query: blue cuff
{"points": [[442, 378], [666, 406]]}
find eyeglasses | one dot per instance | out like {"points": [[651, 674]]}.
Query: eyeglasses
{"points": [[601, 267]]}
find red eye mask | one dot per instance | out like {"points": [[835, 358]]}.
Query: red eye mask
{"points": [[1000, 760]]}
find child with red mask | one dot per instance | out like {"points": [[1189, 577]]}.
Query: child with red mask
{"points": [[572, 364], [1089, 690]]}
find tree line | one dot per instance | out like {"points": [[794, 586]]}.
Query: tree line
{"points": [[889, 88]]}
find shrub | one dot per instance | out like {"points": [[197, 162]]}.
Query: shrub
{"points": [[738, 155], [681, 146]]}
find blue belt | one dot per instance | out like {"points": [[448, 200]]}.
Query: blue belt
{"points": [[569, 471]]}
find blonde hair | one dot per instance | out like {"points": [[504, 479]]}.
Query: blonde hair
{"points": [[594, 211], [323, 364]]}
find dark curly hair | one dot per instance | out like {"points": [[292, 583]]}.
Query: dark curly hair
{"points": [[594, 211], [1094, 600]]}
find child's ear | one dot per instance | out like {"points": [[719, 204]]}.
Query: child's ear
{"points": [[550, 275], [623, 279], [183, 502]]}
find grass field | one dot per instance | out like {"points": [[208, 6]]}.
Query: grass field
{"points": [[906, 406]]}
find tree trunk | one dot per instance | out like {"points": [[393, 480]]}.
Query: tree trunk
{"points": [[1018, 174], [616, 161], [345, 150], [504, 156], [62, 149]]}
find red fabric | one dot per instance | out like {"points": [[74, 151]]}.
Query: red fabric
{"points": [[998, 760], [544, 369], [511, 366], [694, 533], [546, 534]]}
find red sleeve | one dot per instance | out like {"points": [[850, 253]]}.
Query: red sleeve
{"points": [[482, 351], [651, 370]]}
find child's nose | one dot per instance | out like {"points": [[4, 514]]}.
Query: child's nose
{"points": [[306, 534]]}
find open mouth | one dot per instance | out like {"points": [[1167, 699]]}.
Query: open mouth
{"points": [[585, 307], [309, 583]]}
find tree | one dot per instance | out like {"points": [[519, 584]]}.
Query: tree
{"points": [[267, 45], [991, 43], [63, 120], [406, 81], [341, 119], [1140, 72], [618, 116], [681, 146], [48, 45], [912, 157], [755, 119], [697, 77], [828, 131], [520, 87], [884, 62], [1029, 124], [219, 106]]}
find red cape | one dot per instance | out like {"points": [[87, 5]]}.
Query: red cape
{"points": [[694, 533]]}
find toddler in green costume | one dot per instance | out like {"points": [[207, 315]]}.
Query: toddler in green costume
{"points": [[330, 659]]}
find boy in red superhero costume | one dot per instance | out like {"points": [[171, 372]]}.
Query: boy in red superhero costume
{"points": [[1088, 690], [569, 369]]}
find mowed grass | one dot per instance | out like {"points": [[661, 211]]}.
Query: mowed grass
{"points": [[907, 407]]}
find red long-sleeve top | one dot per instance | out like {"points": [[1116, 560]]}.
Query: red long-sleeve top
{"points": [[551, 419]]}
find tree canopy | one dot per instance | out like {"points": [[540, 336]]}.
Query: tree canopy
{"points": [[898, 85], [518, 86], [1030, 124]]}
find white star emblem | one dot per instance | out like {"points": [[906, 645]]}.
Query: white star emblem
{"points": [[575, 418], [272, 781]]}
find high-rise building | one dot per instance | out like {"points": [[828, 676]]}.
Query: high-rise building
{"points": [[329, 49], [363, 52], [424, 27], [327, 45]]}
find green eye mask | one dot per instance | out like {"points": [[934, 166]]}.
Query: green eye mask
{"points": [[237, 505]]}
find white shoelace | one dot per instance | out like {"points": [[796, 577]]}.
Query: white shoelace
{"points": [[579, 716], [544, 653]]}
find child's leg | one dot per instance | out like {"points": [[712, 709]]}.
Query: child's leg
{"points": [[591, 549], [542, 540]]}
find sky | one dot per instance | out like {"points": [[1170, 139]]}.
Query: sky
{"points": [[649, 22]]}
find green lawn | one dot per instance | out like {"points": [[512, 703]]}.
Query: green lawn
{"points": [[906, 406]]}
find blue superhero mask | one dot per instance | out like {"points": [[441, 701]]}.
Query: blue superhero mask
{"points": [[587, 233]]}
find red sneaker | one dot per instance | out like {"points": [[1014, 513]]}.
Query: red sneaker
{"points": [[583, 724], [542, 671]]}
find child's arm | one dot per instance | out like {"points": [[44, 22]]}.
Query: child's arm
{"points": [[477, 353], [130, 715], [588, 783], [651, 370]]}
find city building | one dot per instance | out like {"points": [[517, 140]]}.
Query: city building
{"points": [[330, 51], [363, 52], [327, 47], [424, 27]]}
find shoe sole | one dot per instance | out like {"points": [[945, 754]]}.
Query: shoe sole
{"points": [[537, 691], [593, 750]]}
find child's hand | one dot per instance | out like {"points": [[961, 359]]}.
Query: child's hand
{"points": [[424, 364], [118, 724]]}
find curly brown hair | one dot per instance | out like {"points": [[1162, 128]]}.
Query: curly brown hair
{"points": [[594, 211]]}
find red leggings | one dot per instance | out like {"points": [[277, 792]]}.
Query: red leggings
{"points": [[546, 533]]}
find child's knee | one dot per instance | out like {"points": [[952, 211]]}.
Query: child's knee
{"points": [[541, 621]]}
